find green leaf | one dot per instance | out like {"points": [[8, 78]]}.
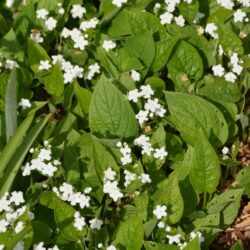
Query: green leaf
{"points": [[189, 11], [40, 54], [41, 231], [228, 204], [150, 245], [83, 96], [210, 220], [229, 40], [54, 83], [243, 179], [188, 113], [11, 105], [130, 234], [143, 47], [205, 167], [163, 51], [193, 245], [20, 154], [110, 114], [64, 218], [217, 88], [10, 47], [237, 246], [168, 193], [185, 62]]}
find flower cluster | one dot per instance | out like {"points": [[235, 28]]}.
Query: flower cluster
{"points": [[110, 185], [66, 193], [40, 246], [143, 141], [151, 108], [42, 162], [231, 76], [12, 206]]}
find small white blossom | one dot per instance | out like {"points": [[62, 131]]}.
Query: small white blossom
{"points": [[44, 65], [17, 198], [174, 239], [39, 246], [145, 178], [113, 190], [108, 45], [79, 221], [90, 24], [50, 23], [96, 224], [134, 95], [77, 11], [24, 103], [3, 225], [211, 29], [225, 150], [180, 21], [228, 4], [146, 91], [161, 224], [166, 18], [109, 174], [19, 227], [129, 177], [93, 69], [135, 75], [11, 64], [36, 37], [119, 3], [160, 211], [160, 153], [168, 229], [42, 14], [142, 116], [230, 77], [239, 15], [218, 70]]}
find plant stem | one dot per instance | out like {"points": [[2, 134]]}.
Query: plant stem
{"points": [[204, 204]]}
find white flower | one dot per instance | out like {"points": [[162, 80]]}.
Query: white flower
{"points": [[19, 227], [145, 178], [239, 15], [77, 11], [218, 70], [142, 116], [129, 177], [3, 225], [197, 234], [160, 153], [45, 154], [39, 246], [135, 75], [2, 246], [9, 3], [113, 190], [10, 64], [161, 224], [24, 103], [42, 13], [168, 229], [237, 69], [230, 77], [93, 69], [87, 190], [166, 18], [180, 21], [79, 221], [61, 11], [174, 239], [118, 3], [5, 203], [146, 91], [225, 150], [65, 33], [160, 211], [211, 29], [245, 3], [36, 37], [109, 174], [142, 141], [50, 23], [90, 24], [108, 45], [17, 198], [228, 4], [111, 247], [134, 95], [96, 224], [44, 65]]}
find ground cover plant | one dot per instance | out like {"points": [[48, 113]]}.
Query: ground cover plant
{"points": [[124, 124]]}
